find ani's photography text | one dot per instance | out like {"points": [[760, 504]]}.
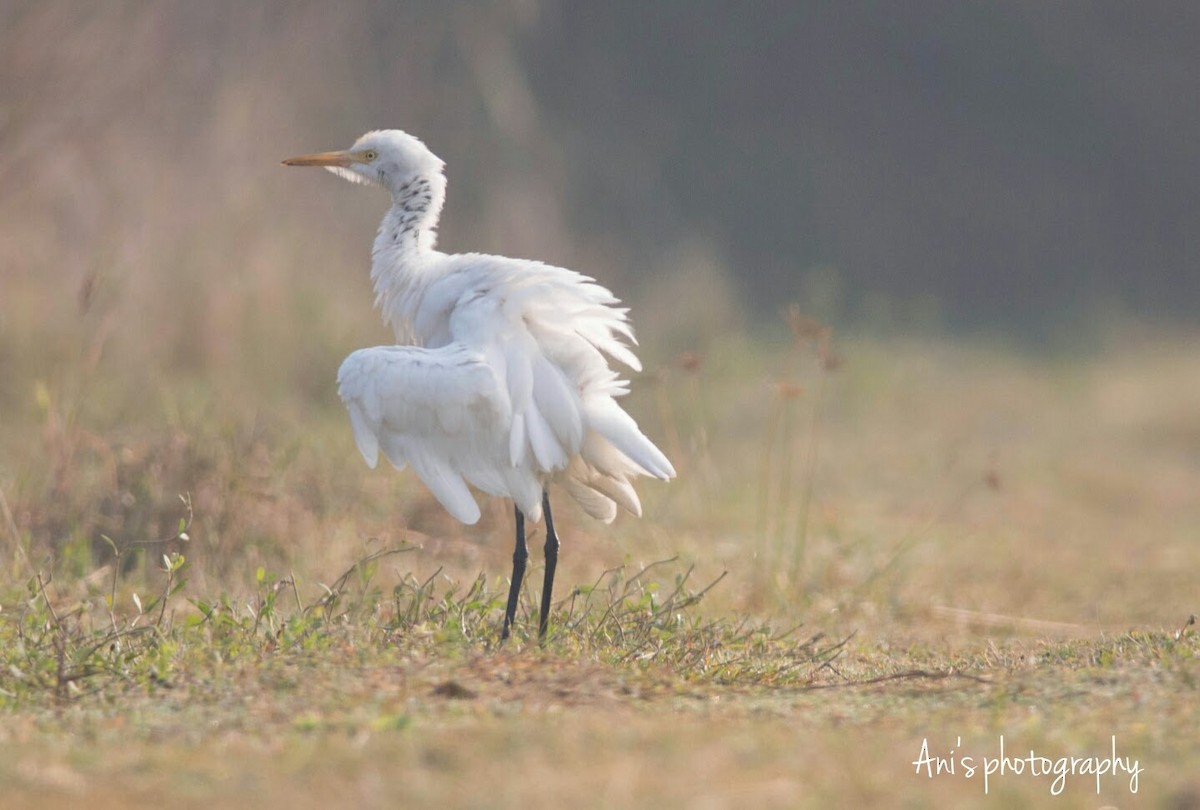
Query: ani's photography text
{"points": [[1007, 763]]}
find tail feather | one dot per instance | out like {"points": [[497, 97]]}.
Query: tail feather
{"points": [[594, 503], [618, 490], [608, 419]]}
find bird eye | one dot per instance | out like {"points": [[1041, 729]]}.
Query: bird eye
{"points": [[370, 154]]}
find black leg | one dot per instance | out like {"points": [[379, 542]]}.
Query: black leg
{"points": [[551, 563], [520, 555]]}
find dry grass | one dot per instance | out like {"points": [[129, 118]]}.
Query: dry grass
{"points": [[955, 553]]}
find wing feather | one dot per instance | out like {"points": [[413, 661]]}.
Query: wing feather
{"points": [[531, 345], [443, 411], [445, 484]]}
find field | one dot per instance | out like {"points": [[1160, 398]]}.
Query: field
{"points": [[875, 548], [903, 564]]}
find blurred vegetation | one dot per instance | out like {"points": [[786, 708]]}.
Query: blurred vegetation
{"points": [[1009, 165], [1002, 167]]}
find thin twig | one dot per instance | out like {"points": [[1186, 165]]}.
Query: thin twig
{"points": [[908, 675], [11, 525]]}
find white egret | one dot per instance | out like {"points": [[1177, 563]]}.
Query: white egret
{"points": [[501, 379]]}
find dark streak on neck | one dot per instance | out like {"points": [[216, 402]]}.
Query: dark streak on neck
{"points": [[412, 200]]}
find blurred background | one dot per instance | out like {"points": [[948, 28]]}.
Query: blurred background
{"points": [[174, 303], [1006, 167]]}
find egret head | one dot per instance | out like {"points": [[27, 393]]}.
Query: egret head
{"points": [[386, 157]]}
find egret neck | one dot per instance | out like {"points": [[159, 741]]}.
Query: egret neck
{"points": [[406, 239]]}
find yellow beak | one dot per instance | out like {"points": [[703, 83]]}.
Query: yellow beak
{"points": [[342, 158]]}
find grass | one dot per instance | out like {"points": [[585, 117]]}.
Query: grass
{"points": [[906, 544], [404, 693]]}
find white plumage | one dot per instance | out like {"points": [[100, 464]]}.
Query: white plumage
{"points": [[502, 379]]}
